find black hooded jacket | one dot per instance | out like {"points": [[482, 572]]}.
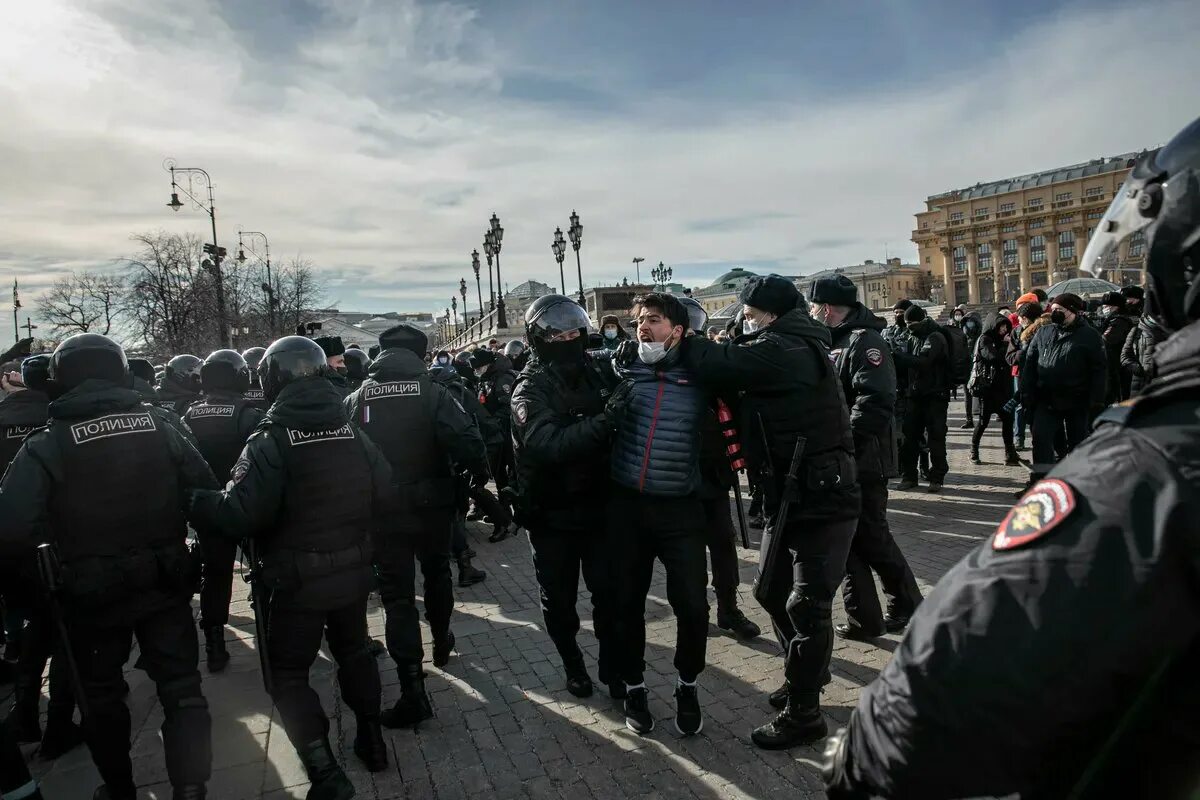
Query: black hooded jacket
{"points": [[1065, 367], [788, 389], [864, 364], [1137, 354], [173, 398], [991, 374], [21, 414], [926, 361]]}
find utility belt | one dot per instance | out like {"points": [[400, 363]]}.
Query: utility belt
{"points": [[286, 569], [436, 492], [824, 471], [91, 582]]}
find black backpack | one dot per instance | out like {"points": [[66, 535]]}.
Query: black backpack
{"points": [[959, 354]]}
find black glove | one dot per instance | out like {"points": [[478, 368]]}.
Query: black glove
{"points": [[626, 352], [479, 480], [618, 404]]}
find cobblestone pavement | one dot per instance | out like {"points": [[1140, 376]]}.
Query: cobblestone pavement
{"points": [[505, 724]]}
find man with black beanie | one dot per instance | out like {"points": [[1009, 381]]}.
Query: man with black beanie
{"points": [[791, 401], [927, 364], [864, 365], [1115, 325], [427, 437], [335, 357]]}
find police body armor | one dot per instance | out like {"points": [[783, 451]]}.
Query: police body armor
{"points": [[319, 554], [256, 397], [216, 423], [131, 556], [15, 428], [398, 416]]}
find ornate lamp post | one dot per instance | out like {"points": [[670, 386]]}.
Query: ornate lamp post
{"points": [[454, 314], [559, 248], [661, 275], [462, 291], [213, 249], [478, 287], [489, 251], [576, 234], [497, 233], [268, 287]]}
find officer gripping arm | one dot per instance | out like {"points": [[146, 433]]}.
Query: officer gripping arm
{"points": [[457, 434], [250, 502], [553, 438], [873, 382]]}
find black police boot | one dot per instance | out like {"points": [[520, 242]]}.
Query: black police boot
{"points": [[368, 743], [467, 574], [216, 656], [442, 645], [731, 618], [579, 683], [1011, 459], [895, 623], [189, 791], [779, 697], [975, 455], [502, 531], [412, 708], [756, 503], [62, 736], [850, 630], [795, 725], [328, 780]]}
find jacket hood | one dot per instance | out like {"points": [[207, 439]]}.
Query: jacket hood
{"points": [[923, 328], [92, 398], [1034, 327], [24, 408], [795, 323], [1151, 326], [395, 364], [993, 321], [309, 404], [1178, 358], [859, 317]]}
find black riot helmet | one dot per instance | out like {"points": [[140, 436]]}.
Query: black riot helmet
{"points": [[183, 371], [84, 356], [1160, 202], [356, 364], [253, 356], [287, 360], [556, 327], [141, 368], [514, 349], [697, 316], [35, 372], [225, 370]]}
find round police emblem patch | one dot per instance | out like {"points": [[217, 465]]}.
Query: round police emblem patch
{"points": [[874, 356], [239, 471], [1043, 507], [520, 413]]}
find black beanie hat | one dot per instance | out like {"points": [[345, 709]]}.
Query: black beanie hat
{"points": [[330, 345], [771, 293], [914, 314], [1113, 299], [1072, 302], [405, 336], [902, 305], [836, 291], [1133, 292]]}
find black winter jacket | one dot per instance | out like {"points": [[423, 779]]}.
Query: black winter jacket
{"points": [[926, 361], [991, 373], [21, 414], [1115, 332], [1137, 354], [864, 364], [1065, 367]]}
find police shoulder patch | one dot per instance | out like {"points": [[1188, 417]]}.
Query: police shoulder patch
{"points": [[874, 356], [520, 413], [1040, 511], [238, 472]]}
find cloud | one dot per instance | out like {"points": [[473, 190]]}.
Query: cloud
{"points": [[376, 138]]}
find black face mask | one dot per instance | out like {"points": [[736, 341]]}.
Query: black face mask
{"points": [[564, 354], [341, 371], [899, 320], [1058, 317]]}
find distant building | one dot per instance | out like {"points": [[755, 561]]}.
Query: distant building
{"points": [[723, 291], [880, 285], [521, 297]]}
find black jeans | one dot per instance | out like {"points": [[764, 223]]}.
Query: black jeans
{"points": [[424, 536], [801, 600], [987, 408], [169, 654], [294, 639], [216, 583], [671, 529], [720, 538], [1048, 424], [925, 417], [873, 548], [558, 558]]}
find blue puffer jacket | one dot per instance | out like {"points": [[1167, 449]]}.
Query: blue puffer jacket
{"points": [[657, 448]]}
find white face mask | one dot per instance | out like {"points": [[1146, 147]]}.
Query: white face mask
{"points": [[479, 372], [610, 333], [651, 352], [749, 325]]}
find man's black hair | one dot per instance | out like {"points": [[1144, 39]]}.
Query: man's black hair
{"points": [[667, 305]]}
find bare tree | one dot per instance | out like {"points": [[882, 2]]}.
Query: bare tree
{"points": [[82, 302], [299, 290], [171, 299]]}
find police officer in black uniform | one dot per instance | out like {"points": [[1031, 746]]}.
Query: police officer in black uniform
{"points": [[254, 395], [335, 359], [309, 486], [124, 560], [864, 365], [789, 390], [561, 441], [141, 374], [180, 384], [221, 423], [495, 384], [423, 432], [1059, 659], [357, 363]]}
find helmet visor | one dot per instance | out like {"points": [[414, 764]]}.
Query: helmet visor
{"points": [[1120, 222], [558, 318]]}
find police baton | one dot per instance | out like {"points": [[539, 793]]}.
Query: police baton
{"points": [[733, 449], [773, 534], [50, 572], [737, 497], [260, 601]]}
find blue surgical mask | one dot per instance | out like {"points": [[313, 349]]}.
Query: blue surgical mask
{"points": [[610, 333]]}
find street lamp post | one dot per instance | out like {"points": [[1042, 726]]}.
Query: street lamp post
{"points": [[478, 286], [454, 314], [268, 287], [559, 248], [637, 266], [498, 239], [215, 251], [576, 234], [661, 275], [462, 290], [489, 251]]}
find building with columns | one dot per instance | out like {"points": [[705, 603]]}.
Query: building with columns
{"points": [[880, 285], [991, 242]]}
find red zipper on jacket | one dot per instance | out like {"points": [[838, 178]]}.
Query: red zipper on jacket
{"points": [[662, 385]]}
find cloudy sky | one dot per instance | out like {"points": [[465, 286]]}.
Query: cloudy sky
{"points": [[376, 138]]}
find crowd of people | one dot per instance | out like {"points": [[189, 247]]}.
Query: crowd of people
{"points": [[614, 450]]}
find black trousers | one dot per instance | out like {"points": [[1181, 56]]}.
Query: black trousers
{"points": [[988, 407], [293, 641], [925, 417], [498, 460], [39, 643], [721, 539], [1048, 426], [874, 549], [801, 600], [14, 773], [216, 582], [169, 654], [559, 556], [417, 536], [671, 529], [486, 502]]}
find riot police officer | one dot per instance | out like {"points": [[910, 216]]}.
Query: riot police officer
{"points": [[423, 432], [309, 487], [495, 376], [356, 367], [561, 441], [122, 548], [254, 395], [180, 384], [1059, 658], [141, 374], [221, 423], [791, 402], [335, 359]]}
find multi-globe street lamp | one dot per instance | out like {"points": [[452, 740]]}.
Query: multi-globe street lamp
{"points": [[559, 248], [454, 314], [215, 251], [478, 286], [462, 290], [268, 287], [491, 243], [661, 275], [488, 253], [576, 234]]}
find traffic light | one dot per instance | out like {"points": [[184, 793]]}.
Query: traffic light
{"points": [[218, 251]]}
